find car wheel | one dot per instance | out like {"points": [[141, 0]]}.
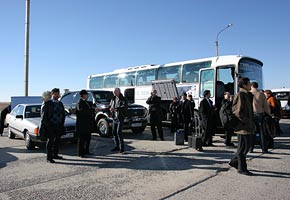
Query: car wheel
{"points": [[11, 135], [103, 128], [28, 142], [138, 130]]}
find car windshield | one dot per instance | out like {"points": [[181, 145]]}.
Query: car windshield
{"points": [[32, 111], [103, 96]]}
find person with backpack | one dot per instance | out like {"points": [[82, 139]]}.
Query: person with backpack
{"points": [[225, 116], [275, 107], [118, 107]]}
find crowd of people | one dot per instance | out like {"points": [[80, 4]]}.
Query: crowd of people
{"points": [[251, 114]]}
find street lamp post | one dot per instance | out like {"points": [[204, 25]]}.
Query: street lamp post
{"points": [[217, 38], [26, 50]]}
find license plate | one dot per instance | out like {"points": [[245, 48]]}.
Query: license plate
{"points": [[68, 135], [136, 124]]}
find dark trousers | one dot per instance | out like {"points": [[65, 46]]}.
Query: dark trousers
{"points": [[84, 144], [52, 144], [186, 130], [207, 134], [229, 134], [174, 123], [117, 132], [159, 128], [1, 129], [242, 150], [259, 123]]}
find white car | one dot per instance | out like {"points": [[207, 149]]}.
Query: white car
{"points": [[24, 121]]}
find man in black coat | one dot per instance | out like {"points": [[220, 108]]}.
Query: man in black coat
{"points": [[3, 114], [207, 113], [52, 122], [187, 115], [155, 112], [118, 107], [84, 123]]}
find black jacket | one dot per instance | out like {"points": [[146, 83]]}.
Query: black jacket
{"points": [[46, 115], [155, 110], [85, 117], [186, 111], [120, 105], [207, 113], [226, 112]]}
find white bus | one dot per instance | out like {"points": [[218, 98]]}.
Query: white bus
{"points": [[217, 74]]}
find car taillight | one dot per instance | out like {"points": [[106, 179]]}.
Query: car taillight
{"points": [[36, 131]]}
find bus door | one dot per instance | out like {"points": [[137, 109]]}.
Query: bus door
{"points": [[225, 78], [206, 82]]}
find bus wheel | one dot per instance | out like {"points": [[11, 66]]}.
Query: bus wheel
{"points": [[103, 128]]}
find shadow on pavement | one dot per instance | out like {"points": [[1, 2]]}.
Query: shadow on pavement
{"points": [[272, 174]]}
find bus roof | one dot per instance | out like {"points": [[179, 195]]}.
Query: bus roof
{"points": [[215, 61]]}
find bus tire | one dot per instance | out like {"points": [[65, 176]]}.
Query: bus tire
{"points": [[103, 128]]}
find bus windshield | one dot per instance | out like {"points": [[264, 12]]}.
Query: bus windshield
{"points": [[252, 70]]}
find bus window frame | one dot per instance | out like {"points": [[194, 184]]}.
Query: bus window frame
{"points": [[169, 78], [147, 82]]}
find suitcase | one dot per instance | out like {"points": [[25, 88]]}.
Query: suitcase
{"points": [[196, 138], [179, 137]]}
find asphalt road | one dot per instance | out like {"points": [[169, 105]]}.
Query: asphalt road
{"points": [[148, 170]]}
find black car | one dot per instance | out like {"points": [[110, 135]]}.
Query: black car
{"points": [[136, 115]]}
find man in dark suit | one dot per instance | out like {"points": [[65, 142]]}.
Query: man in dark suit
{"points": [[84, 123], [53, 117], [187, 115], [207, 112], [155, 112]]}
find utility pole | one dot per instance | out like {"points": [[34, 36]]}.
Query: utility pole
{"points": [[26, 50]]}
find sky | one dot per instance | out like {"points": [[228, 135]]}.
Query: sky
{"points": [[72, 39]]}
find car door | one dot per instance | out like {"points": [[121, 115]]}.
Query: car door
{"points": [[15, 123]]}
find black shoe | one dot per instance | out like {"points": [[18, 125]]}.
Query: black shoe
{"points": [[162, 139], [121, 151], [154, 139], [200, 149], [251, 150], [50, 161], [204, 144], [230, 144], [233, 164], [266, 151], [247, 173], [89, 153], [58, 157], [82, 156], [115, 149]]}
